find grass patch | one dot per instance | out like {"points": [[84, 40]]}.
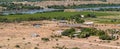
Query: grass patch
{"points": [[50, 15], [53, 14]]}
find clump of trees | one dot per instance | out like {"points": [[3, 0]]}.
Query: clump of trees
{"points": [[87, 32]]}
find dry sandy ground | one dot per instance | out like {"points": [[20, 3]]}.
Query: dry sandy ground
{"points": [[44, 4], [12, 34], [65, 3]]}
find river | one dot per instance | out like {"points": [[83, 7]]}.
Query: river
{"points": [[27, 11], [47, 10]]}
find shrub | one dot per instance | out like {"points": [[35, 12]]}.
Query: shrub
{"points": [[106, 37], [75, 48], [8, 39], [83, 35], [55, 36], [0, 46], [29, 42], [45, 39], [56, 39], [17, 46], [68, 32], [58, 47], [91, 15], [23, 38], [36, 48]]}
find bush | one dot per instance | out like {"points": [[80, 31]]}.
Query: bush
{"points": [[55, 36], [23, 38], [106, 37], [100, 33], [59, 47], [91, 15], [0, 46], [68, 32], [93, 31], [75, 48], [45, 39], [77, 18], [83, 35], [36, 48], [17, 46]]}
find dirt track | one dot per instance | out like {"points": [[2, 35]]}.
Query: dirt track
{"points": [[96, 44]]}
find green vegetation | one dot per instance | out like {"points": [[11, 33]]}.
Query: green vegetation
{"points": [[36, 48], [17, 46], [55, 36], [63, 47], [68, 32], [91, 15], [12, 6], [100, 17], [60, 47], [87, 32], [106, 37], [109, 20], [81, 6], [50, 16], [75, 48], [109, 9], [45, 39]]}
